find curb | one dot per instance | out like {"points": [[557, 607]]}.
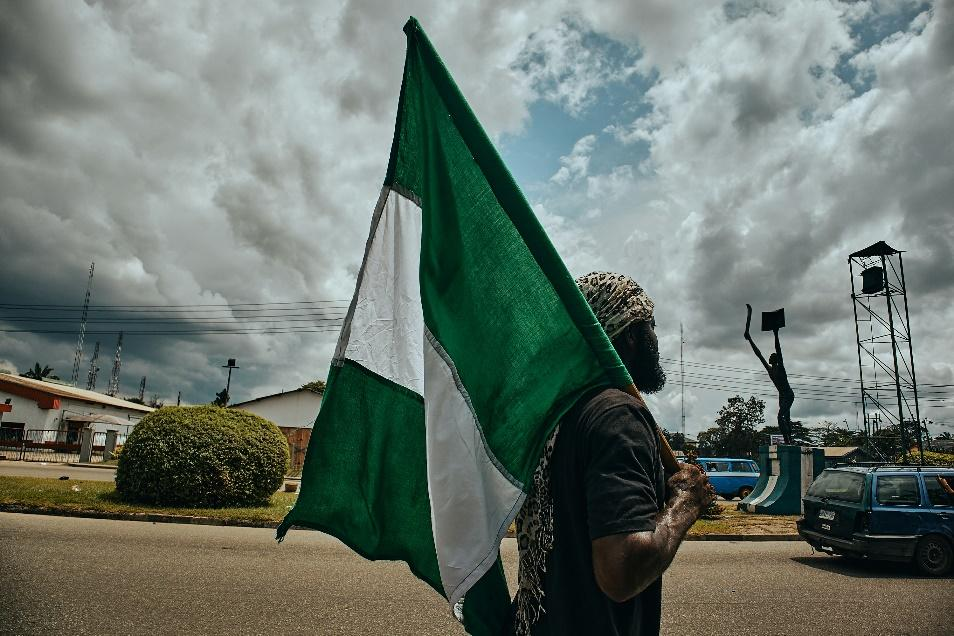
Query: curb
{"points": [[744, 537], [251, 523], [100, 466], [138, 516]]}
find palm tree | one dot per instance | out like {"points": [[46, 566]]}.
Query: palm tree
{"points": [[40, 373]]}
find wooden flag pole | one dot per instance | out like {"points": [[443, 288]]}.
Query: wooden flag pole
{"points": [[669, 462]]}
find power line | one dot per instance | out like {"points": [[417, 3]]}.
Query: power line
{"points": [[852, 381], [166, 306]]}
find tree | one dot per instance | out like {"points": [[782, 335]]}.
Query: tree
{"points": [[734, 434], [315, 386], [834, 435], [801, 434], [221, 398], [40, 373], [677, 441]]}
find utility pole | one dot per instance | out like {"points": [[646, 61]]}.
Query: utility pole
{"points": [[142, 388], [78, 356], [682, 377]]}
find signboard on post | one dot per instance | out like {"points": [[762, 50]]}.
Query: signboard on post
{"points": [[776, 439]]}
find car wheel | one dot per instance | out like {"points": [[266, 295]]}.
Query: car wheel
{"points": [[744, 492], [934, 555]]}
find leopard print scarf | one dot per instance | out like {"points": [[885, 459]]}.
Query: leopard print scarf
{"points": [[535, 542]]}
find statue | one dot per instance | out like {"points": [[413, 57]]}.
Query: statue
{"points": [[776, 370]]}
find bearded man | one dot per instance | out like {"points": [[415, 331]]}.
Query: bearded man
{"points": [[602, 522]]}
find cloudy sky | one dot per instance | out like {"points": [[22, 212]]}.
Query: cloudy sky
{"points": [[219, 162]]}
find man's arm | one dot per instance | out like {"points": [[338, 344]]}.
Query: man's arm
{"points": [[778, 348], [626, 564], [759, 354]]}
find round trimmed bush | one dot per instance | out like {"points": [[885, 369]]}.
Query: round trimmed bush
{"points": [[203, 456]]}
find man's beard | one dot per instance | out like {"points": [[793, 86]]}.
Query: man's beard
{"points": [[649, 378], [648, 374]]}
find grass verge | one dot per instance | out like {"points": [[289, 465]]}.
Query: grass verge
{"points": [[75, 495], [78, 496], [735, 521]]}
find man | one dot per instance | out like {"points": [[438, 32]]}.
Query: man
{"points": [[602, 523]]}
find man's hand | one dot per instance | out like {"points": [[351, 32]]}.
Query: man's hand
{"points": [[691, 484]]}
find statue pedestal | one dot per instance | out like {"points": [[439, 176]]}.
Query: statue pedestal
{"points": [[787, 471]]}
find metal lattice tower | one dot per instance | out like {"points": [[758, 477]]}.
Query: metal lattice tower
{"points": [[78, 356], [889, 390], [93, 369], [113, 387], [142, 388]]}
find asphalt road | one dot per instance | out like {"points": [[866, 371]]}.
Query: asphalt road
{"points": [[84, 576]]}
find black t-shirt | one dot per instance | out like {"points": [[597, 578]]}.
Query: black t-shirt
{"points": [[607, 479]]}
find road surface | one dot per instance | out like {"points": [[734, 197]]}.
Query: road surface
{"points": [[86, 576]]}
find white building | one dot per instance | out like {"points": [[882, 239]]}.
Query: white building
{"points": [[60, 408], [293, 412]]}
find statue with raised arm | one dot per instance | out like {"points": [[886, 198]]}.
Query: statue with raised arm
{"points": [[776, 370]]}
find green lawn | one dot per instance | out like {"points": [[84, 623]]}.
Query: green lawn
{"points": [[100, 496]]}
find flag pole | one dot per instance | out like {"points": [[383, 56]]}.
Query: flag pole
{"points": [[669, 462]]}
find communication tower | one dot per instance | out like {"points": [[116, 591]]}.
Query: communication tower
{"points": [[889, 389], [93, 369], [113, 387], [78, 356]]}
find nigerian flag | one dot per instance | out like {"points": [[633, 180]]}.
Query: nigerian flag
{"points": [[465, 342]]}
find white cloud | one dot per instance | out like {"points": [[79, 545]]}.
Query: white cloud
{"points": [[576, 164], [565, 68], [205, 155]]}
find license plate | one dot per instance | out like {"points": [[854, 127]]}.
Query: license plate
{"points": [[828, 515]]}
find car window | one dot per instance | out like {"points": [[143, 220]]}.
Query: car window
{"points": [[897, 490], [838, 484], [718, 467], [755, 467], [937, 494], [742, 467]]}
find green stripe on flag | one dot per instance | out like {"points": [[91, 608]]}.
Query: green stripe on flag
{"points": [[495, 293], [365, 474]]}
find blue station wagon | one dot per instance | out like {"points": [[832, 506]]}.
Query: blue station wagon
{"points": [[897, 513], [730, 477]]}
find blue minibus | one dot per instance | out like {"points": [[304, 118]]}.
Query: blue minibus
{"points": [[730, 477]]}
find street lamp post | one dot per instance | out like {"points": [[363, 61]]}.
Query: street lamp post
{"points": [[229, 365]]}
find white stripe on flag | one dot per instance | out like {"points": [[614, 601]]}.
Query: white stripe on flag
{"points": [[473, 501], [384, 329]]}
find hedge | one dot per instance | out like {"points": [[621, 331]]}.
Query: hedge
{"points": [[204, 456]]}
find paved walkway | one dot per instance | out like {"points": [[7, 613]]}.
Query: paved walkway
{"points": [[55, 471]]}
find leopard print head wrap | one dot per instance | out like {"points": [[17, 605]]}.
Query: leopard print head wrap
{"points": [[616, 299]]}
